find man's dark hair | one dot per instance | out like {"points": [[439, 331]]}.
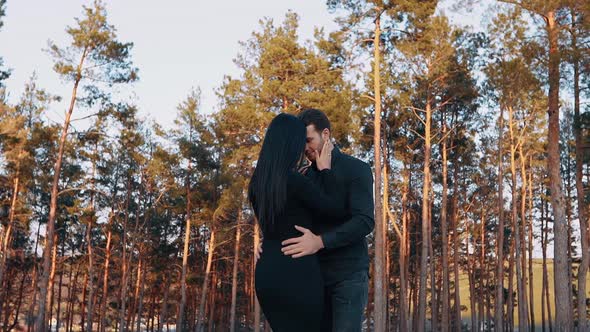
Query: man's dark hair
{"points": [[315, 117]]}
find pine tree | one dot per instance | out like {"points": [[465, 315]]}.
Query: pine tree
{"points": [[98, 57]]}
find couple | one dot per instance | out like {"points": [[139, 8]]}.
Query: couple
{"points": [[317, 281]]}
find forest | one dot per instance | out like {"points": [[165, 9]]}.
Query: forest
{"points": [[479, 142]]}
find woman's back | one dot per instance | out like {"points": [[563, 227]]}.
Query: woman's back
{"points": [[294, 213], [292, 287]]}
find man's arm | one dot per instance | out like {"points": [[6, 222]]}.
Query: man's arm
{"points": [[355, 229], [362, 212]]}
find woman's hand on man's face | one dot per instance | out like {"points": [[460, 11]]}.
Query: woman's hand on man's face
{"points": [[324, 159]]}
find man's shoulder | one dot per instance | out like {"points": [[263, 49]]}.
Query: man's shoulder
{"points": [[352, 166]]}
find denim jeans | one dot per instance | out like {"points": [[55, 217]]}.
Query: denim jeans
{"points": [[345, 303]]}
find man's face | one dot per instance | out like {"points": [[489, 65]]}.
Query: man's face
{"points": [[315, 141]]}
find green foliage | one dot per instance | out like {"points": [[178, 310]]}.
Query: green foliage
{"points": [[94, 53], [278, 75]]}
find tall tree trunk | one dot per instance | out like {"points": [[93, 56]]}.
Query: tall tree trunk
{"points": [[213, 297], [6, 239], [105, 280], [582, 205], [234, 288], [83, 309], [489, 292], [164, 307], [141, 281], [256, 303], [59, 288], [482, 267], [545, 241], [73, 296], [425, 220], [51, 284], [41, 323], [563, 316], [7, 236], [530, 249], [457, 314], [384, 229], [34, 278], [544, 263], [90, 312], [445, 236], [520, 288], [133, 307], [510, 309], [187, 232], [432, 267], [499, 310], [403, 257], [470, 267], [379, 276], [201, 313], [135, 242], [124, 263], [567, 162], [433, 288], [19, 302]]}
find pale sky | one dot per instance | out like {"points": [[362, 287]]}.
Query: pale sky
{"points": [[178, 44]]}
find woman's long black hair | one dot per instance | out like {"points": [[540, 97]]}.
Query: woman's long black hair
{"points": [[282, 149]]}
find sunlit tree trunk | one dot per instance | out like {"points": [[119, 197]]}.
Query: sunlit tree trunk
{"points": [[403, 257], [51, 284], [499, 310], [6, 239], [445, 236], [379, 265], [124, 264], [582, 205], [563, 316], [187, 232], [34, 278], [256, 304], [105, 281], [456, 248], [201, 313], [234, 289], [528, 222], [520, 288], [41, 323]]}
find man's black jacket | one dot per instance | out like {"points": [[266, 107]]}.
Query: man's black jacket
{"points": [[344, 240]]}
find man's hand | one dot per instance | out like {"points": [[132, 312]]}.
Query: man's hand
{"points": [[258, 252], [306, 244]]}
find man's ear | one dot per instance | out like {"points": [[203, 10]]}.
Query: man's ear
{"points": [[326, 134]]}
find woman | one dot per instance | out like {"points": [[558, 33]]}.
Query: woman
{"points": [[290, 290]]}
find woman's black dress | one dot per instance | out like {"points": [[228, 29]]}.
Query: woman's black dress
{"points": [[290, 290]]}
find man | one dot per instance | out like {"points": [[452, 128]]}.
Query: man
{"points": [[340, 244]]}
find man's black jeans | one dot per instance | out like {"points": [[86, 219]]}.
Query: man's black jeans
{"points": [[345, 303]]}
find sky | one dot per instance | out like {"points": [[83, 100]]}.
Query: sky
{"points": [[178, 46]]}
